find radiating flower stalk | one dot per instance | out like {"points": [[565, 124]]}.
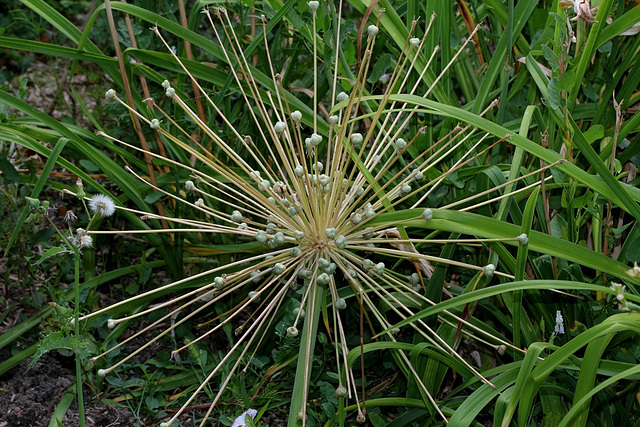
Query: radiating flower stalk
{"points": [[313, 202]]}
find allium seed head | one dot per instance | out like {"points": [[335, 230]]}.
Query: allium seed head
{"points": [[314, 5], [296, 116], [189, 186], [261, 236], [341, 391], [292, 332], [330, 233], [427, 214], [340, 304], [372, 30], [236, 216], [341, 242], [523, 239], [111, 323], [155, 124], [103, 205], [356, 138], [279, 268], [489, 269], [279, 127], [401, 144], [333, 119], [342, 97], [323, 279], [110, 94], [170, 92], [102, 373], [414, 41]]}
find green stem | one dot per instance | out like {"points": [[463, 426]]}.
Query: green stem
{"points": [[76, 324], [305, 356]]}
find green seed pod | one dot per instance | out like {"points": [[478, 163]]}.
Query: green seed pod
{"points": [[323, 279], [341, 242], [489, 269], [330, 233], [340, 304], [427, 214], [279, 268], [341, 391], [236, 216]]}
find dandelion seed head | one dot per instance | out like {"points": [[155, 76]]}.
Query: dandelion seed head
{"points": [[103, 205]]}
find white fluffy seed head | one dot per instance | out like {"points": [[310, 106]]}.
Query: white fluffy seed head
{"points": [[103, 205]]}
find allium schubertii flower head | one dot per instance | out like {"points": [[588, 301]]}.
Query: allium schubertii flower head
{"points": [[311, 192]]}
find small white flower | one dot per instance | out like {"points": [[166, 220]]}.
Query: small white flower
{"points": [[559, 328], [102, 205], [241, 420]]}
